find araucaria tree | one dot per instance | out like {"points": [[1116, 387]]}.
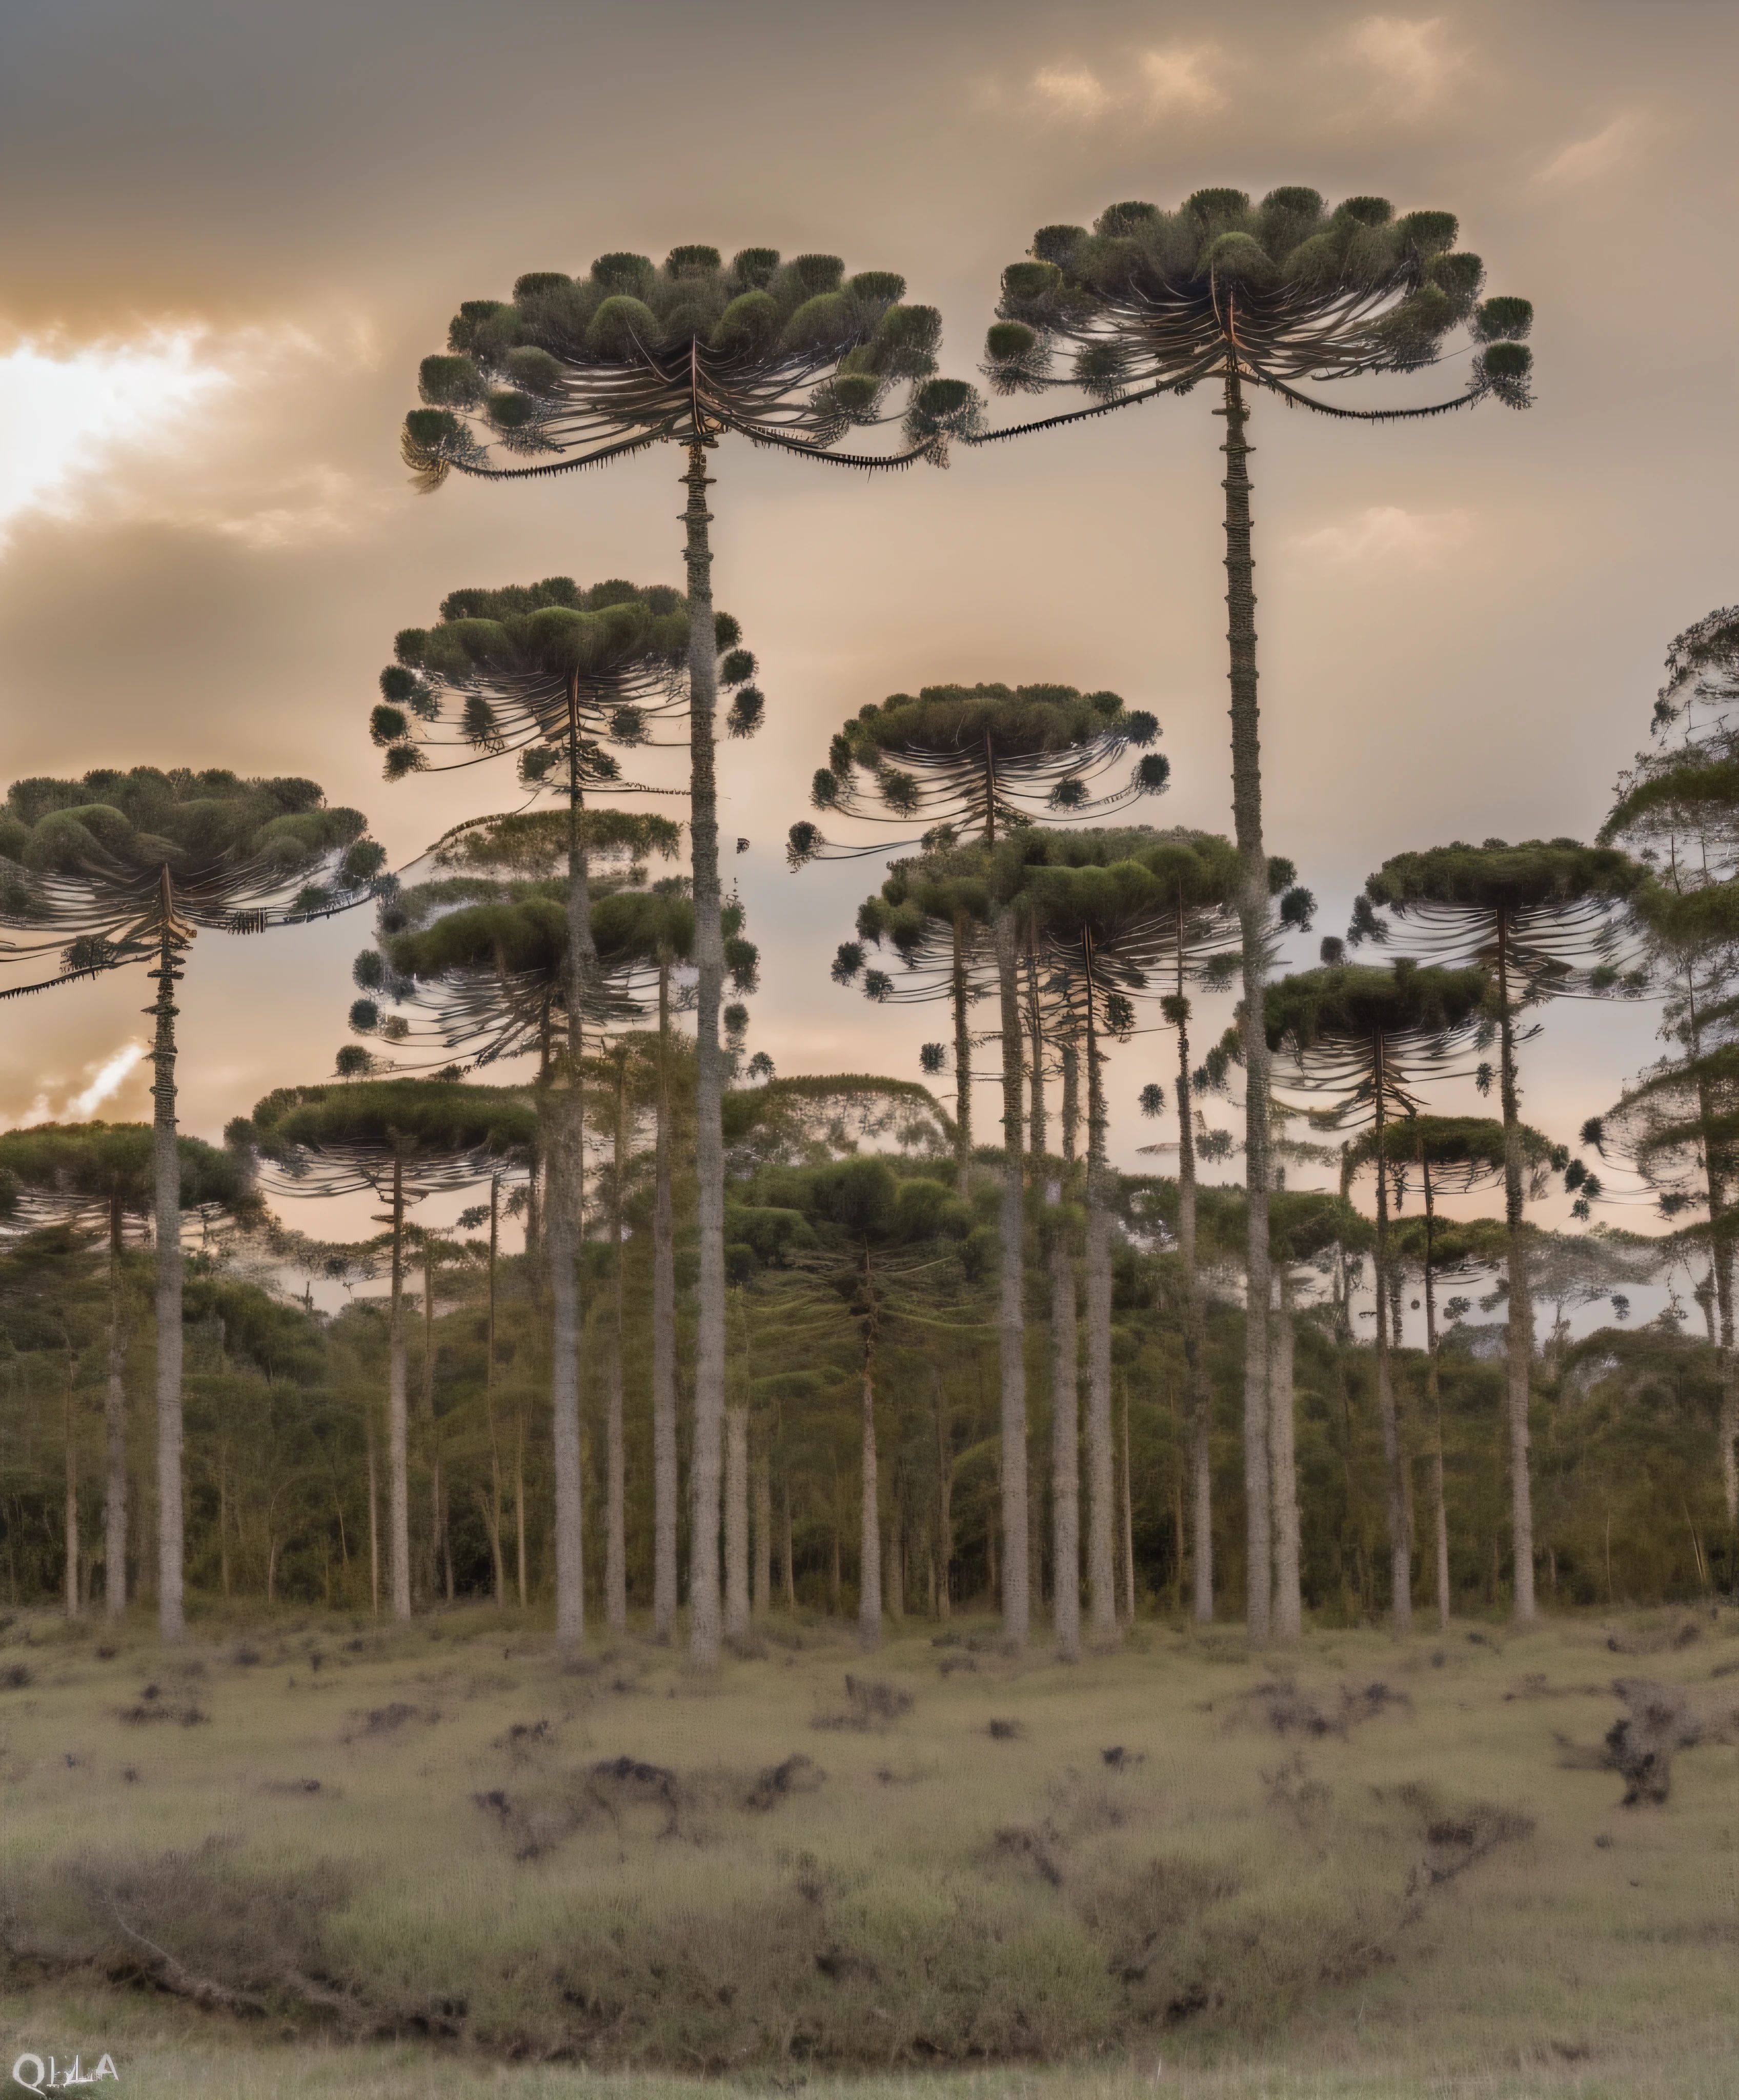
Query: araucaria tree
{"points": [[117, 868], [1541, 919], [403, 1140], [104, 1175], [1283, 296], [964, 764], [581, 370], [1678, 1124], [1367, 1038]]}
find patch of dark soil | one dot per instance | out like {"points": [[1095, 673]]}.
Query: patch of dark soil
{"points": [[1640, 1746], [619, 1783], [1665, 1639], [1037, 1848], [152, 1708], [1288, 1710], [1004, 1732], [797, 1775], [874, 1703], [384, 1720], [1456, 1838], [15, 1676]]}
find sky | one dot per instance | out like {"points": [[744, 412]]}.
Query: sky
{"points": [[234, 232]]}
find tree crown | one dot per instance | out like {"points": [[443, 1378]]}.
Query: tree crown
{"points": [[1153, 301], [441, 1133], [76, 1168]]}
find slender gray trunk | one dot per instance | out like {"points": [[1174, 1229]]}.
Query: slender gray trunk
{"points": [[1434, 1393], [69, 1433], [1520, 1336], [761, 1599], [397, 1440], [736, 1523], [1128, 1490], [1101, 1565], [1399, 1545], [665, 1481], [962, 1064], [1011, 1321], [1289, 1610], [869, 1554], [1253, 921], [709, 1142], [115, 1428], [944, 1504], [565, 1226], [1197, 1385], [165, 1163], [616, 1534], [1066, 1446]]}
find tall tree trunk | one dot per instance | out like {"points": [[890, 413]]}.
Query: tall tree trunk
{"points": [[791, 1566], [944, 1504], [664, 1480], [1282, 1458], [374, 1511], [1197, 1385], [615, 1514], [869, 1551], [566, 1220], [709, 1142], [1101, 1564], [736, 1523], [70, 1438], [1521, 1323], [1128, 1489], [114, 1426], [1434, 1393], [761, 1600], [397, 1440], [495, 1510], [1065, 1444], [426, 1417], [959, 991], [1400, 1545], [519, 1526], [1038, 1120], [165, 1162], [1253, 922], [1011, 1321]]}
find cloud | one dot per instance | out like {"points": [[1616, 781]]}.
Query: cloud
{"points": [[64, 411], [1412, 65], [1585, 158], [150, 430], [1384, 532], [107, 1079], [1074, 94], [1177, 79], [1172, 81]]}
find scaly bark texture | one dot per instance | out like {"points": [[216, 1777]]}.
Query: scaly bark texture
{"points": [[1400, 1544], [869, 1514], [616, 1534], [398, 1452], [1520, 1325], [959, 993], [1252, 920], [665, 1483], [1101, 1516], [736, 1523], [1065, 1450], [709, 1142], [69, 1432], [760, 1598], [1197, 1383], [1434, 1394], [1011, 1317], [115, 1428], [1282, 1460], [166, 1161]]}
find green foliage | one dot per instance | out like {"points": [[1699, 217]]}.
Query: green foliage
{"points": [[421, 1123], [79, 1169], [1351, 1003], [1537, 875], [1146, 301]]}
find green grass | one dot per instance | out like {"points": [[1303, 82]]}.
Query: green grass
{"points": [[1414, 1901]]}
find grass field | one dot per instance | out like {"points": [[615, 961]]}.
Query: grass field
{"points": [[309, 1856]]}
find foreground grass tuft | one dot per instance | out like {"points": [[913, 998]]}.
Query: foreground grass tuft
{"points": [[1418, 1852]]}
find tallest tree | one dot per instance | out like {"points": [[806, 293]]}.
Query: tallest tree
{"points": [[573, 372], [1281, 297]]}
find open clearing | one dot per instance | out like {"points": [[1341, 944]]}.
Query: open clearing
{"points": [[309, 1856]]}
